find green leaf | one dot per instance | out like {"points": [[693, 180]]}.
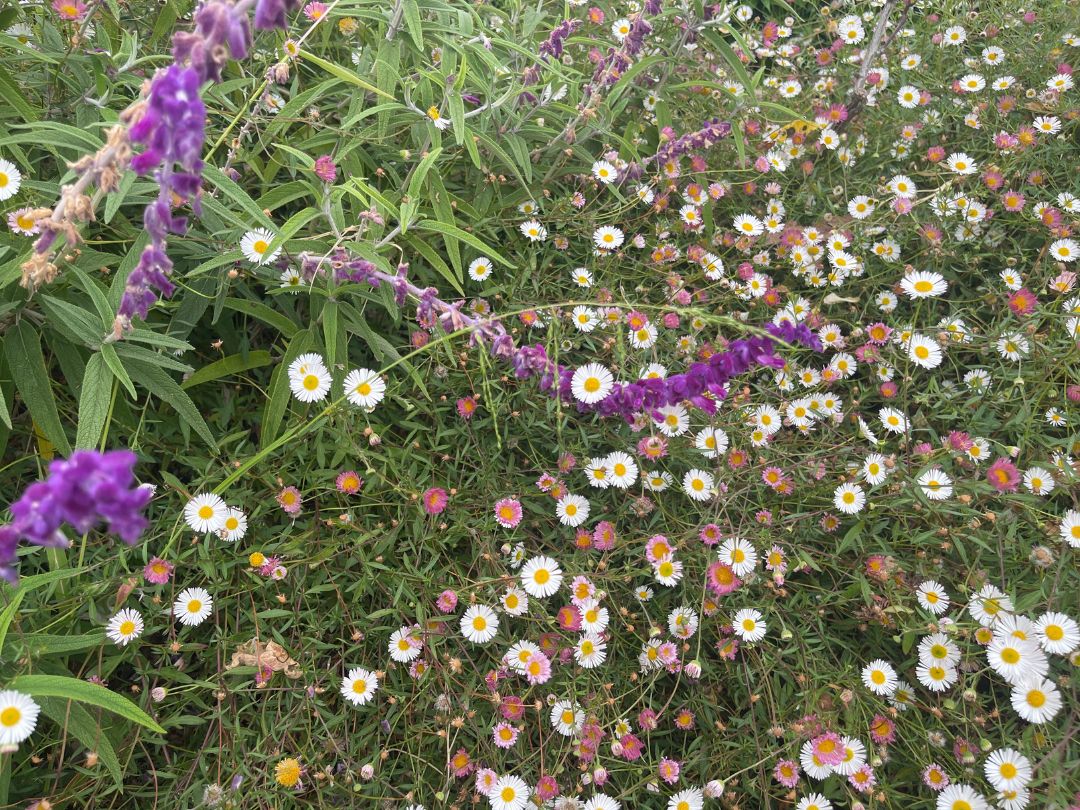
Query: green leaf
{"points": [[231, 190], [264, 314], [412, 23], [97, 295], [79, 723], [278, 400], [331, 327], [112, 360], [344, 74], [9, 612], [416, 183], [729, 56], [464, 236], [94, 401], [84, 692], [166, 389], [9, 91], [22, 346], [5, 410], [226, 366]]}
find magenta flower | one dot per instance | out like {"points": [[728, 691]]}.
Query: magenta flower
{"points": [[828, 748], [1003, 475], [669, 770], [290, 499], [325, 169], [466, 407], [786, 773], [447, 601], [348, 482], [70, 9], [158, 571], [508, 513], [435, 500]]}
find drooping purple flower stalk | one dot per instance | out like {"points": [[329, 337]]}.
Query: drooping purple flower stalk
{"points": [[703, 384], [173, 128], [82, 491], [710, 133]]}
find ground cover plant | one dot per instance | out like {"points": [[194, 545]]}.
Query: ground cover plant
{"points": [[434, 404]]}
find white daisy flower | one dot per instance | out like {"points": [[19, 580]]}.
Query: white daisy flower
{"points": [[748, 625], [10, 181], [572, 510], [256, 246], [479, 624], [364, 388], [359, 686], [480, 268], [125, 626], [235, 526], [541, 577], [311, 386], [18, 715], [206, 513], [591, 383], [193, 606]]}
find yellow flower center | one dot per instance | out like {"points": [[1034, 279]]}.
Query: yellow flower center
{"points": [[10, 716], [359, 686], [260, 246], [311, 382], [194, 606], [127, 628], [206, 512]]}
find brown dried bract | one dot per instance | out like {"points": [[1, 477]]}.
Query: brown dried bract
{"points": [[265, 655]]}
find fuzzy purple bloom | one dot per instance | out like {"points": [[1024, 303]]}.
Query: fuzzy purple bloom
{"points": [[173, 128], [82, 491], [220, 33], [271, 14]]}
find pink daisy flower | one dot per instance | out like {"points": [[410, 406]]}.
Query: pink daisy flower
{"points": [[504, 735], [348, 482], [435, 500], [1003, 476], [290, 499], [508, 513], [786, 773], [158, 571], [446, 601]]}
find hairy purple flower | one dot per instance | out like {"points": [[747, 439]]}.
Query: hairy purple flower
{"points": [[173, 128], [220, 33], [82, 491], [271, 14]]}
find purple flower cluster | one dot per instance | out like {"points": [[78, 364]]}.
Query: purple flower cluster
{"points": [[173, 128], [222, 31], [82, 491], [551, 48], [617, 62], [271, 14], [702, 384], [712, 131]]}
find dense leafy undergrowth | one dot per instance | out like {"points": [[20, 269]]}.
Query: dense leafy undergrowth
{"points": [[444, 404]]}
